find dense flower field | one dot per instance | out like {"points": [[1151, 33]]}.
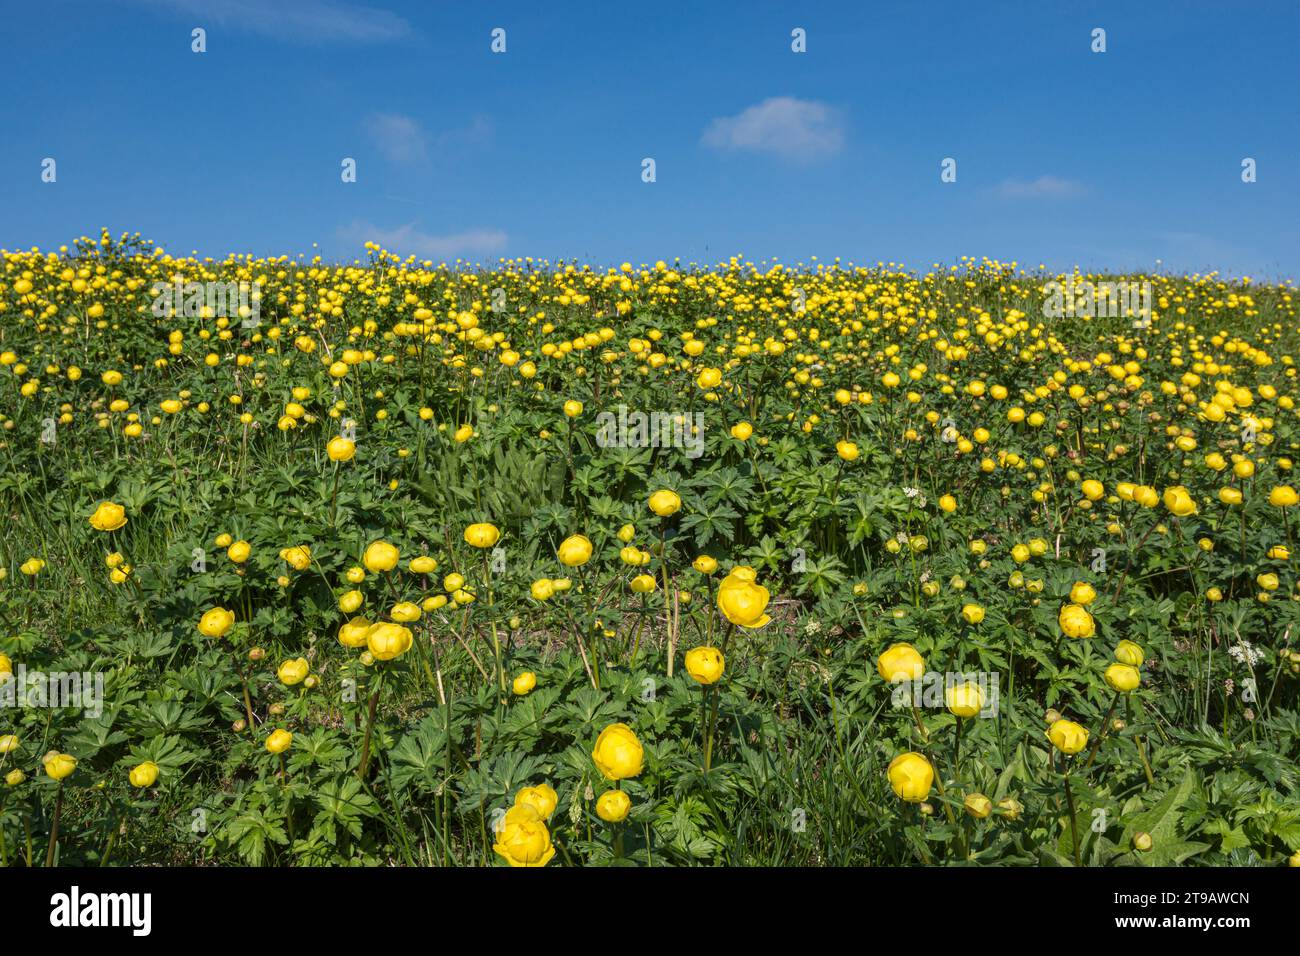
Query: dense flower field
{"points": [[400, 563]]}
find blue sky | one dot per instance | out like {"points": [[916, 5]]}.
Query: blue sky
{"points": [[1064, 156]]}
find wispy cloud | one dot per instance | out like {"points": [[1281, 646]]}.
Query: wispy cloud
{"points": [[295, 21], [404, 140], [410, 240], [1044, 187], [399, 139], [793, 129]]}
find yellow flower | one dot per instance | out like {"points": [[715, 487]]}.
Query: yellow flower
{"points": [[523, 839], [948, 503], [293, 672], [108, 517], [387, 641], [144, 775], [541, 798], [353, 633], [404, 612], [524, 683], [900, 662], [1123, 677], [341, 449], [705, 664], [572, 408], [972, 613], [1283, 496], [464, 433], [705, 564], [665, 503], [542, 589], [1093, 489], [1178, 501], [847, 450], [14, 777], [741, 431], [350, 601], [1082, 593], [8, 743], [1146, 496], [1075, 621], [978, 805], [741, 600], [297, 557], [482, 535], [1127, 652], [574, 551], [279, 741], [626, 533], [1067, 736], [613, 806], [239, 552], [1231, 496], [642, 584], [422, 565], [911, 777], [618, 754], [216, 622], [380, 556], [964, 700], [57, 765], [1268, 582]]}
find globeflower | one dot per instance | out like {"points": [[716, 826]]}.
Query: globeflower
{"points": [[618, 754], [144, 775], [900, 662], [388, 641], [353, 633], [1075, 621], [523, 684], [574, 551], [964, 700], [1283, 496], [523, 839], [1067, 736], [1178, 501], [743, 601], [613, 806], [911, 777], [541, 798], [293, 672], [665, 503], [1123, 677], [279, 741], [58, 766], [482, 535], [108, 517], [216, 622], [341, 449], [972, 613], [705, 664], [380, 556]]}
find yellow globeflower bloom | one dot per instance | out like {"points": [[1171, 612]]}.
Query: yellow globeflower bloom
{"points": [[1282, 496], [1178, 501], [964, 700], [613, 806], [574, 551], [1123, 677], [743, 601], [665, 503], [279, 741], [1075, 621], [388, 641], [618, 754], [482, 535], [58, 766], [380, 556], [541, 798], [523, 684], [353, 633], [1127, 652], [293, 672], [705, 664], [911, 777], [523, 839], [144, 775], [216, 622], [341, 449], [1067, 736], [900, 662], [108, 517]]}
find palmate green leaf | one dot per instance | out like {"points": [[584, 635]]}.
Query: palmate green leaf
{"points": [[1163, 823]]}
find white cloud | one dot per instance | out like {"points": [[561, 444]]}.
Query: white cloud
{"points": [[1044, 187], [297, 21], [409, 240], [400, 139], [794, 129]]}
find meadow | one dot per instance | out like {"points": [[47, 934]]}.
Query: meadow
{"points": [[542, 563]]}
